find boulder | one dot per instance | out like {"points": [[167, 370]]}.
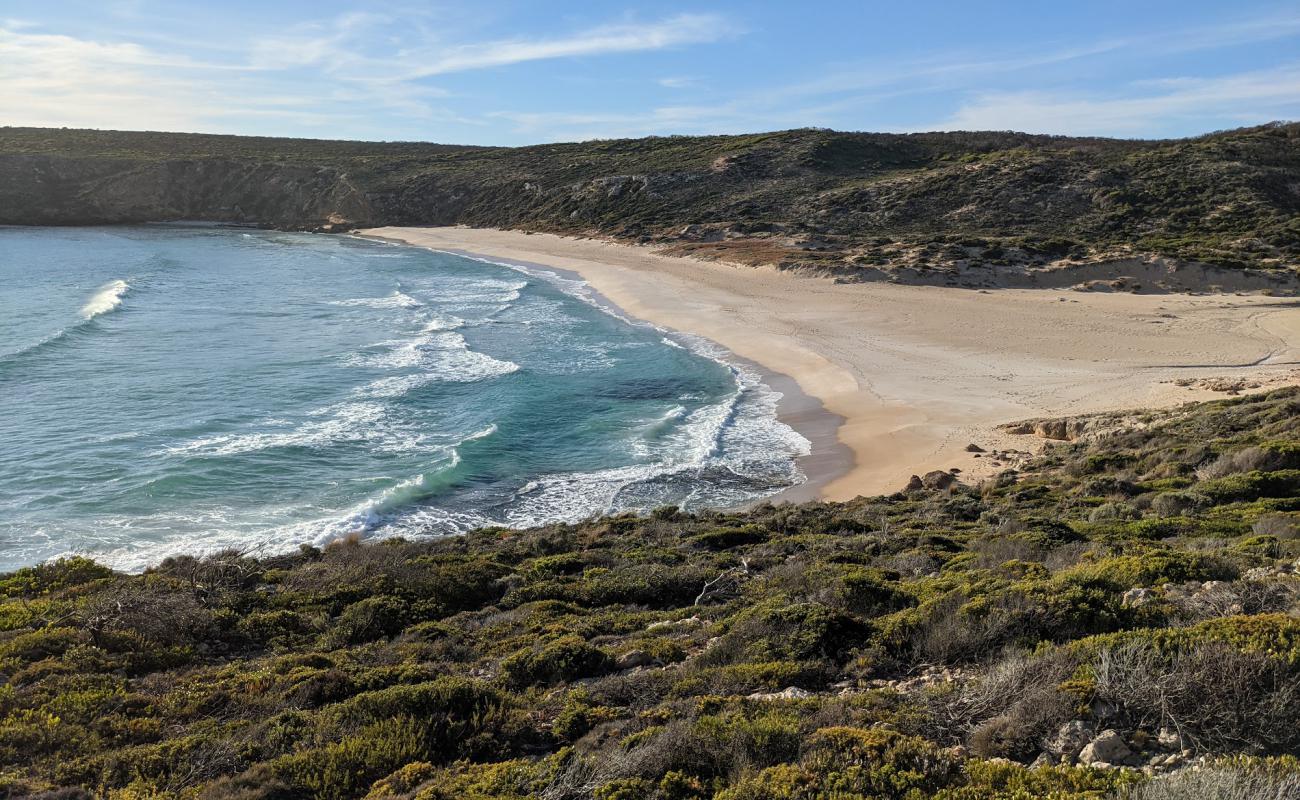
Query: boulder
{"points": [[1138, 597], [1056, 429], [938, 479], [1168, 739], [633, 659], [788, 693], [1069, 740], [1051, 429], [974, 448], [1108, 748]]}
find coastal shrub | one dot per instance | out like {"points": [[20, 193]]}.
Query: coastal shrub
{"points": [[402, 782], [579, 715], [1156, 567], [563, 659], [762, 676], [710, 745], [1266, 457], [1251, 486], [347, 768], [651, 585], [1229, 598], [29, 646], [453, 699], [267, 627], [1215, 695], [876, 763], [775, 631], [52, 576], [515, 779], [1003, 709], [1179, 504], [1280, 526], [369, 619], [1238, 778], [999, 780], [727, 538]]}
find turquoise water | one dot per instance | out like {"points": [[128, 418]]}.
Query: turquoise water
{"points": [[182, 389]]}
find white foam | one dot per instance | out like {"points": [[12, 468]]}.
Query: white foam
{"points": [[105, 300], [448, 323], [475, 292], [716, 455], [395, 509], [398, 299], [358, 422], [443, 355], [396, 386]]}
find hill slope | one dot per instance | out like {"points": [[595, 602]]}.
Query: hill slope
{"points": [[844, 201], [1127, 600]]}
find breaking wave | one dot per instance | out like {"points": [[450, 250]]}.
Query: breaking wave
{"points": [[107, 299]]}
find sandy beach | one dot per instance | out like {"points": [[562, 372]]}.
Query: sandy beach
{"points": [[916, 373]]}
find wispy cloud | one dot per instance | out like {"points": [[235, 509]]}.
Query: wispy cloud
{"points": [[329, 44], [625, 38], [61, 80], [393, 71], [304, 75], [1239, 99], [678, 82], [843, 95]]}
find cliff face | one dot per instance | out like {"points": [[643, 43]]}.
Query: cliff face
{"points": [[71, 190]]}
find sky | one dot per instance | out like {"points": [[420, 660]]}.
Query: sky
{"points": [[496, 72]]}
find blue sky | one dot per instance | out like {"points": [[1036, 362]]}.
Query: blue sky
{"points": [[496, 72]]}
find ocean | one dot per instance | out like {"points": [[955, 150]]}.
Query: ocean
{"points": [[183, 389]]}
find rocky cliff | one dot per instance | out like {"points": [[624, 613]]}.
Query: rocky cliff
{"points": [[74, 190]]}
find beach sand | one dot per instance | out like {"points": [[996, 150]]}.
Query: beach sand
{"points": [[915, 373]]}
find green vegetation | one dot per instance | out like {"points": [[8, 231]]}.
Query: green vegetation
{"points": [[959, 644], [848, 202]]}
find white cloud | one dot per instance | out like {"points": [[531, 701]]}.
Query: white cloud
{"points": [[843, 96], [368, 75], [678, 82], [1241, 99], [305, 76], [630, 37], [48, 79], [329, 45]]}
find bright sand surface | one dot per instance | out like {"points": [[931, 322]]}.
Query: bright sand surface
{"points": [[918, 372]]}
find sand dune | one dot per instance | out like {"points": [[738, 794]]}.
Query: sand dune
{"points": [[918, 372]]}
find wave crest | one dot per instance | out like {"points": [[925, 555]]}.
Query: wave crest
{"points": [[398, 299], [108, 298]]}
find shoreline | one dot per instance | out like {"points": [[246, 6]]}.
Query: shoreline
{"points": [[914, 374], [828, 460]]}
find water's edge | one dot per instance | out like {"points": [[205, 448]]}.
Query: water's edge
{"points": [[828, 458]]}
